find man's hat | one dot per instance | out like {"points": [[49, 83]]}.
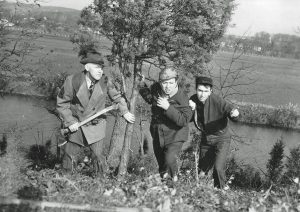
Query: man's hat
{"points": [[204, 81], [167, 74], [92, 57]]}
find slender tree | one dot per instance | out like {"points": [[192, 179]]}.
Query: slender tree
{"points": [[181, 33]]}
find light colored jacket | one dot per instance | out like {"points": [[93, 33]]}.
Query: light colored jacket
{"points": [[74, 105]]}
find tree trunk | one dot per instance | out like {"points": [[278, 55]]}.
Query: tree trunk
{"points": [[128, 138], [117, 139], [129, 128], [116, 143]]}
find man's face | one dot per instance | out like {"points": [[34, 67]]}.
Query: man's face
{"points": [[203, 92], [95, 70], [168, 86]]}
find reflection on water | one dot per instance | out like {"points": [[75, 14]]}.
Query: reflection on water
{"points": [[30, 113], [254, 143]]}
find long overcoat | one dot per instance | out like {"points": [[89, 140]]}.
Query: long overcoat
{"points": [[170, 125], [75, 104]]}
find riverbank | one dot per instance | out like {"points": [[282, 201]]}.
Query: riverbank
{"points": [[284, 116]]}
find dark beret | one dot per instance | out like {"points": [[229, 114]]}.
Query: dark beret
{"points": [[204, 81], [92, 57]]}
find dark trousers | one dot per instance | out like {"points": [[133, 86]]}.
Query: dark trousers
{"points": [[166, 156], [73, 150], [214, 155]]}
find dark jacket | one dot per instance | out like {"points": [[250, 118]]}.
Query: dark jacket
{"points": [[74, 105], [212, 116], [170, 125]]}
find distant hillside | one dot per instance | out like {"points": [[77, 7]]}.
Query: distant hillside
{"points": [[50, 14]]}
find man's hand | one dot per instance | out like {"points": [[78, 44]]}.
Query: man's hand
{"points": [[163, 103], [74, 127], [192, 104], [129, 117], [234, 113]]}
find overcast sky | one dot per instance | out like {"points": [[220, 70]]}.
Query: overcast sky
{"points": [[273, 16], [250, 16]]}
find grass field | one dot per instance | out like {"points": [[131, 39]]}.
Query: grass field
{"points": [[277, 82]]}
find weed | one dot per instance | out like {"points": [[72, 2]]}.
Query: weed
{"points": [[3, 144], [30, 192], [41, 156]]}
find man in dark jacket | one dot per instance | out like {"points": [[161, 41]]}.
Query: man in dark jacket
{"points": [[211, 114], [82, 95], [170, 117]]}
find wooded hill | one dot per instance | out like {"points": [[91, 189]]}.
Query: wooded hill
{"points": [[46, 16]]}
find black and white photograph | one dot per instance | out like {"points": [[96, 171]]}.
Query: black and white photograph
{"points": [[149, 105]]}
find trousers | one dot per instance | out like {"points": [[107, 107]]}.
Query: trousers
{"points": [[72, 152], [214, 155], [167, 156]]}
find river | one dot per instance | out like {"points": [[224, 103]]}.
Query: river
{"points": [[251, 145]]}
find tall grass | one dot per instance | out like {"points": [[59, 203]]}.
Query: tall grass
{"points": [[286, 116]]}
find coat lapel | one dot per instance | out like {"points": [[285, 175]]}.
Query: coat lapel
{"points": [[83, 92], [95, 98]]}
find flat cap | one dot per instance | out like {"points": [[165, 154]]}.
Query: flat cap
{"points": [[167, 74], [92, 57], [204, 81]]}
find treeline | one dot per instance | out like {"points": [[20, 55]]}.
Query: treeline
{"points": [[263, 43]]}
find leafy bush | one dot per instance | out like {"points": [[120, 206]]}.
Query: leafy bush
{"points": [[51, 85], [41, 156]]}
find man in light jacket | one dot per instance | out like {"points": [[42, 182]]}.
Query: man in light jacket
{"points": [[82, 95]]}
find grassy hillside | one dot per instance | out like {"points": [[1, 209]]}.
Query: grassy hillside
{"points": [[277, 78]]}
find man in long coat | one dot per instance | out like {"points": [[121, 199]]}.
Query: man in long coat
{"points": [[82, 95], [211, 114], [170, 117]]}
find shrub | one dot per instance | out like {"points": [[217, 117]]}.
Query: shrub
{"points": [[41, 156], [282, 116], [243, 176], [3, 144], [275, 163], [293, 165]]}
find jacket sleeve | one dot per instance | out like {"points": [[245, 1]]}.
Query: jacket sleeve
{"points": [[227, 108], [182, 114], [116, 97], [63, 103], [194, 98]]}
